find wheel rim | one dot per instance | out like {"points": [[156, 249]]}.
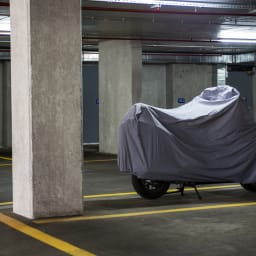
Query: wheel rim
{"points": [[151, 185]]}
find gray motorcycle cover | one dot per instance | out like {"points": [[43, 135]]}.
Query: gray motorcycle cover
{"points": [[210, 139]]}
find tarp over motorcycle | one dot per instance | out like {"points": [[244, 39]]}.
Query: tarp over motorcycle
{"points": [[210, 139]]}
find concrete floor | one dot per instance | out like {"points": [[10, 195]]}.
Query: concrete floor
{"points": [[223, 223]]}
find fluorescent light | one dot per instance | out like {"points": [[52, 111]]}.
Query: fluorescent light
{"points": [[244, 34], [232, 40], [90, 56], [238, 35], [5, 24]]}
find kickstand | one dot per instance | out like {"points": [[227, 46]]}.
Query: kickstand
{"points": [[197, 192], [182, 187]]}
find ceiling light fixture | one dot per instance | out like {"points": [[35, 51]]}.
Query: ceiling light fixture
{"points": [[233, 40], [5, 25], [238, 35], [90, 56]]}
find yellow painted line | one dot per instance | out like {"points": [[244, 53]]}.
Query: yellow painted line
{"points": [[6, 158], [136, 214], [5, 203], [4, 165], [134, 193], [170, 190], [43, 237], [110, 195], [100, 161], [214, 187], [86, 161]]}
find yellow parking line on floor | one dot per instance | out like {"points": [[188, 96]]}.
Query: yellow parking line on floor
{"points": [[43, 237], [6, 158], [5, 203], [214, 187], [134, 193], [86, 161], [100, 161], [110, 195], [145, 213], [170, 190], [4, 165]]}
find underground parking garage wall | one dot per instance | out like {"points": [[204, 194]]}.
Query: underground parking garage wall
{"points": [[157, 89], [185, 81], [162, 86], [153, 90]]}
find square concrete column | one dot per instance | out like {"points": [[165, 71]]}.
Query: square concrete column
{"points": [[120, 75], [46, 107]]}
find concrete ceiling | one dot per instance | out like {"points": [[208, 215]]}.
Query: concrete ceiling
{"points": [[174, 29], [210, 28]]}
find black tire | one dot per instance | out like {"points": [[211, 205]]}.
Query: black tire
{"points": [[149, 189], [250, 187]]}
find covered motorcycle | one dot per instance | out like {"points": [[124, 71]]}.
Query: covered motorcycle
{"points": [[210, 139]]}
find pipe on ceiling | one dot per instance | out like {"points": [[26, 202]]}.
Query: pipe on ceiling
{"points": [[191, 40], [151, 39], [156, 11]]}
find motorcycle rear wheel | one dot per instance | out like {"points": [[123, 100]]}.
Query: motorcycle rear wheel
{"points": [[149, 189]]}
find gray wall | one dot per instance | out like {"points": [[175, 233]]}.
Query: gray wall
{"points": [[5, 105], [188, 80], [91, 107], [154, 85], [162, 85], [242, 81]]}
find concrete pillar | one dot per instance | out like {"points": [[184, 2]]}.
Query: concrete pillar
{"points": [[46, 107], [188, 80], [154, 85], [120, 72]]}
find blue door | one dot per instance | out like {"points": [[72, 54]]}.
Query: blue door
{"points": [[90, 103]]}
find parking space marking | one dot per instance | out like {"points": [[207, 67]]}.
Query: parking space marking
{"points": [[43, 237], [145, 213], [85, 161], [100, 161], [134, 193], [5, 203], [110, 195], [170, 191], [6, 158], [5, 165], [215, 187]]}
